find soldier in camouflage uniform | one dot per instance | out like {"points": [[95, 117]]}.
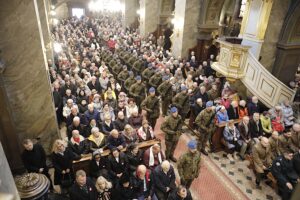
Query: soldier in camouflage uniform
{"points": [[129, 81], [206, 125], [189, 164], [116, 69], [147, 73], [137, 90], [181, 101], [130, 62], [151, 106], [166, 92], [138, 66], [172, 127], [123, 75], [156, 79]]}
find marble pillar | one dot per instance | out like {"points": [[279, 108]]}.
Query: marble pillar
{"points": [[129, 12], [149, 16], [269, 46], [25, 77], [7, 183], [185, 26], [254, 24]]}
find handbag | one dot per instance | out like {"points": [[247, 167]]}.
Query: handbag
{"points": [[66, 180]]}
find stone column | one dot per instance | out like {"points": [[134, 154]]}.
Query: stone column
{"points": [[149, 13], [185, 26], [25, 77], [7, 183], [255, 23], [130, 12]]}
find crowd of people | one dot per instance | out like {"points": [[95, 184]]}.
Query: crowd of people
{"points": [[110, 85]]}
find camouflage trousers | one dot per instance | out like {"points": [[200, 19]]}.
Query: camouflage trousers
{"points": [[171, 142], [202, 140], [165, 106]]}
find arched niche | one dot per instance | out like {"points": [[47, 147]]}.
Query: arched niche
{"points": [[288, 47]]}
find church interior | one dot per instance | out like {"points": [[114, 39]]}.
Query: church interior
{"points": [[150, 99]]}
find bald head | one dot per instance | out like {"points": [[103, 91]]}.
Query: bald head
{"points": [[264, 141], [296, 127]]}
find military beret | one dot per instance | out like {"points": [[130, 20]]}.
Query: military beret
{"points": [[138, 78], [152, 89], [173, 109], [164, 78], [130, 73], [209, 104], [192, 144], [183, 87]]}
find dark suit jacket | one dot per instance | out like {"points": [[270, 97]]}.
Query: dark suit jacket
{"points": [[231, 114], [162, 180], [242, 129], [76, 193], [115, 167], [254, 132]]}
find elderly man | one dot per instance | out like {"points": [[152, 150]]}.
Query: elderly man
{"points": [[116, 140], [120, 122], [262, 159], [285, 142], [233, 111], [143, 183], [153, 157], [172, 127], [74, 113], [255, 128], [273, 141], [77, 126], [83, 188], [67, 108], [164, 180], [195, 110], [91, 113], [295, 137], [189, 164], [288, 114], [243, 127]]}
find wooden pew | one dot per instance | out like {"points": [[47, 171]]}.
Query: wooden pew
{"points": [[83, 163], [217, 139]]}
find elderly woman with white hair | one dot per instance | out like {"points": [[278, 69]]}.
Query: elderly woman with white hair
{"points": [[243, 110], [96, 140]]}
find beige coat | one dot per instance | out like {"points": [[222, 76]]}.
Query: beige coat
{"points": [[261, 157]]}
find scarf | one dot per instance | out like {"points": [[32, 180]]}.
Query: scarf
{"points": [[151, 157], [143, 133]]}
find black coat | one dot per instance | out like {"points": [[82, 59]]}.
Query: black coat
{"points": [[35, 159], [76, 193], [254, 132], [162, 180], [80, 128], [115, 167], [139, 185], [107, 129], [175, 196], [120, 124], [126, 193], [231, 114], [99, 170], [296, 162], [62, 162], [113, 142], [134, 161]]}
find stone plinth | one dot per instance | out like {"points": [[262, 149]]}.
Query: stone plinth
{"points": [[25, 78], [185, 26], [149, 16]]}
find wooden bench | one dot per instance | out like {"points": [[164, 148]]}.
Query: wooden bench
{"points": [[83, 163], [218, 141]]}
